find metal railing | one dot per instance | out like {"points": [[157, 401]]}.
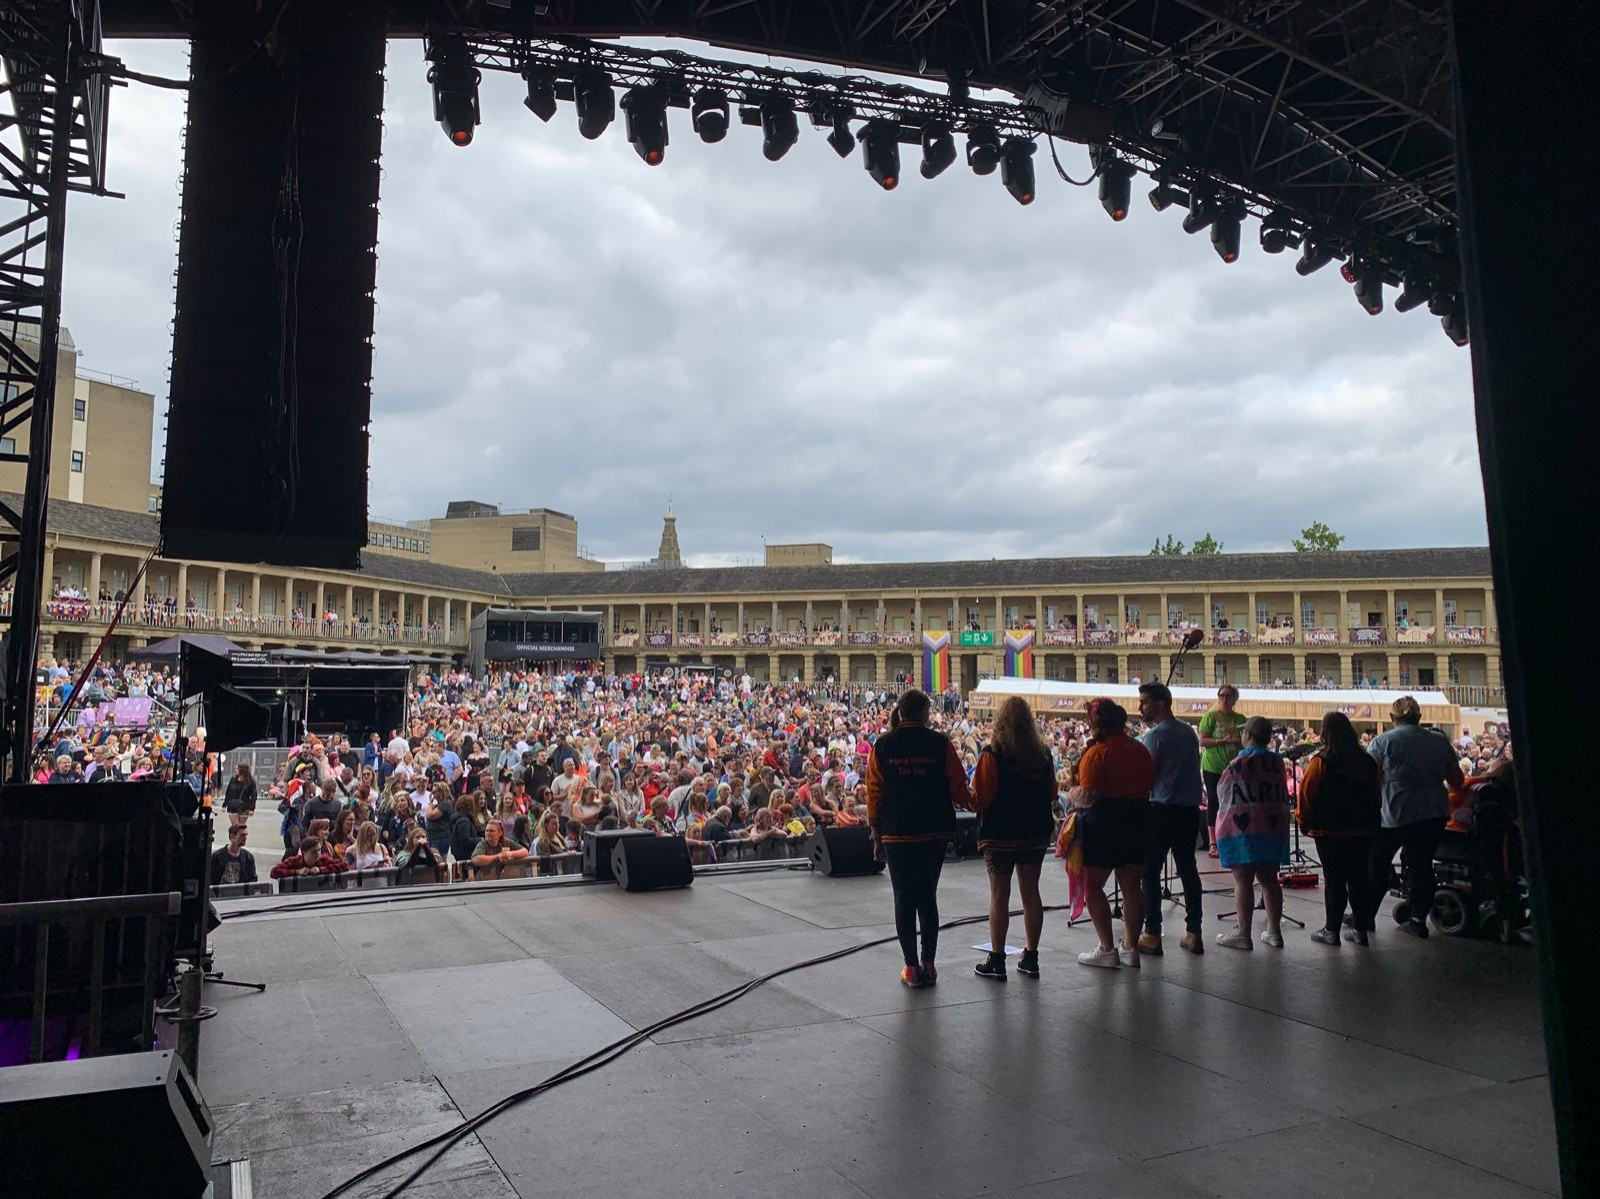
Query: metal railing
{"points": [[158, 617], [97, 912]]}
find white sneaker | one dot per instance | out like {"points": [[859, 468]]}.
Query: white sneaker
{"points": [[1108, 958], [1128, 957], [1273, 937], [1236, 940]]}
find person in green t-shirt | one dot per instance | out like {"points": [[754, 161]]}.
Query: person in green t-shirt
{"points": [[1220, 737]]}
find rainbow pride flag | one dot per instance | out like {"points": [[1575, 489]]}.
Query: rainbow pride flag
{"points": [[935, 662], [1019, 653]]}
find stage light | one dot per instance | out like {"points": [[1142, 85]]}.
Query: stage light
{"points": [[1454, 321], [779, 128], [1116, 182], [1202, 211], [983, 148], [1163, 196], [1314, 255], [1277, 235], [541, 101], [1368, 282], [1225, 231], [596, 103], [645, 108], [880, 153], [1414, 294], [938, 149], [710, 114], [1016, 168], [455, 90], [841, 138]]}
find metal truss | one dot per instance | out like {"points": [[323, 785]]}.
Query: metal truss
{"points": [[1338, 112], [52, 142]]}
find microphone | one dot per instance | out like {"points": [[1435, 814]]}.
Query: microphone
{"points": [[1193, 638], [1295, 752]]}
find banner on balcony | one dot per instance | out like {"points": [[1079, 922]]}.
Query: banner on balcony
{"points": [[1019, 653], [935, 662]]}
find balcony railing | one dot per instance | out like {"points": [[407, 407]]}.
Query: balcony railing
{"points": [[1315, 637], [1475, 695], [69, 611]]}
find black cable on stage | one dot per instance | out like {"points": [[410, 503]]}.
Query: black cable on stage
{"points": [[604, 1056]]}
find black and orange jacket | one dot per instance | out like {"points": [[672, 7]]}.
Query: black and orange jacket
{"points": [[915, 782], [1014, 802]]}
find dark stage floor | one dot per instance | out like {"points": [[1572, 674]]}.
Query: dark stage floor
{"points": [[1410, 1069]]}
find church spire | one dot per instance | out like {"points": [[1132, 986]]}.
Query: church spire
{"points": [[669, 555]]}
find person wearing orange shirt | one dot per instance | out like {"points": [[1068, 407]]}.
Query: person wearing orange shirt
{"points": [[1115, 776], [915, 782]]}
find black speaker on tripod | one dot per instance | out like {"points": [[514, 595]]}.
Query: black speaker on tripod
{"points": [[651, 863], [843, 852]]}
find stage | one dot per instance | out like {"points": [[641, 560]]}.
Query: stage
{"points": [[1412, 1068]]}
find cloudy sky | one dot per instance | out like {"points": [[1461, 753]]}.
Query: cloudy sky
{"points": [[790, 353]]}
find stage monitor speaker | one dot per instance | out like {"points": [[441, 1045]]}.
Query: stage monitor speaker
{"points": [[651, 863], [597, 848], [966, 842], [272, 330], [841, 852], [133, 1125]]}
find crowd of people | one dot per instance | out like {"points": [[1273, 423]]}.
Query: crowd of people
{"points": [[505, 773]]}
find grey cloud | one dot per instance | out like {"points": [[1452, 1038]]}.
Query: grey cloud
{"points": [[789, 351]]}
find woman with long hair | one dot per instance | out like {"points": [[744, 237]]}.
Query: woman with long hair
{"points": [[343, 836], [1340, 806], [1220, 742], [239, 800], [915, 782], [466, 826], [1013, 790], [368, 852], [1253, 833]]}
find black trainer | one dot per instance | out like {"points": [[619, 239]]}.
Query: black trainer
{"points": [[993, 966], [1028, 963]]}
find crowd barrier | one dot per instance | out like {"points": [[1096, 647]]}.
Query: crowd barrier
{"points": [[395, 876]]}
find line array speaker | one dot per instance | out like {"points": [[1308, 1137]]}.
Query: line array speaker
{"points": [[266, 456]]}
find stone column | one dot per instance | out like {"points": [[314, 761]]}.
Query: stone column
{"points": [[810, 668], [1122, 665], [741, 627], [1393, 670], [137, 602], [321, 602], [1389, 618], [183, 585], [255, 593], [1299, 668], [916, 613], [774, 625], [1343, 623], [49, 588], [1438, 615], [94, 577], [220, 603], [1299, 624]]}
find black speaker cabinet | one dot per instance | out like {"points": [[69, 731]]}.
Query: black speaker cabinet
{"points": [[966, 844], [597, 848], [839, 852], [132, 1125], [651, 863]]}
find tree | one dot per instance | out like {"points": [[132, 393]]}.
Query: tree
{"points": [[1317, 538], [1173, 548]]}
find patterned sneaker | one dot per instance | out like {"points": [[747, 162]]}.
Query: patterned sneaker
{"points": [[911, 977], [930, 974], [1028, 963]]}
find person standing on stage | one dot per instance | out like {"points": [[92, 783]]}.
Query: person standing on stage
{"points": [[1419, 771], [1174, 816], [1014, 789], [915, 782], [1253, 834], [1115, 776], [1221, 736], [1339, 804]]}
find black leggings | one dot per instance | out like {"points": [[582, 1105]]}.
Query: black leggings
{"points": [[1345, 863], [914, 873]]}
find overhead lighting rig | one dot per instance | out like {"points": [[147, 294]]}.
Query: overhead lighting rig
{"points": [[877, 116]]}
